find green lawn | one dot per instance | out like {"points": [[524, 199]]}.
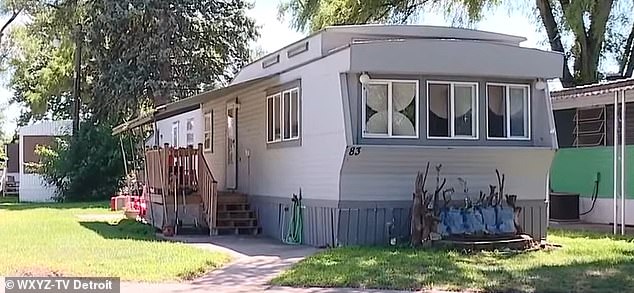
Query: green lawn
{"points": [[587, 262], [85, 240]]}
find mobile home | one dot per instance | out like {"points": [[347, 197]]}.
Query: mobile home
{"points": [[593, 126], [349, 115], [33, 188]]}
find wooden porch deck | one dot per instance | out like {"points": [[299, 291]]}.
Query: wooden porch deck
{"points": [[180, 188]]}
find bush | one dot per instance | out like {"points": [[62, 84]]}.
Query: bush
{"points": [[86, 167]]}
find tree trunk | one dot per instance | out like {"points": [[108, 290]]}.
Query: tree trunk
{"points": [[554, 38]]}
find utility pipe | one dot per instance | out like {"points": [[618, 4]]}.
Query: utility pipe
{"points": [[616, 160], [623, 145]]}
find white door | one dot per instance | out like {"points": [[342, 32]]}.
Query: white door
{"points": [[232, 153]]}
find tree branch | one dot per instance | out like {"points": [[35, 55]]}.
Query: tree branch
{"points": [[9, 21], [599, 20], [554, 37], [627, 63]]}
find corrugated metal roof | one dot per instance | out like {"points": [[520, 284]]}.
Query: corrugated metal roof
{"points": [[593, 89], [187, 104]]}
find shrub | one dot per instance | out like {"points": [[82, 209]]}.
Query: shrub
{"points": [[86, 167]]}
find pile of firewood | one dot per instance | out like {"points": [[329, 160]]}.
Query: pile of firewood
{"points": [[426, 208]]}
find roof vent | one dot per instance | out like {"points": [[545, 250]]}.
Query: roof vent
{"points": [[271, 61], [296, 50]]}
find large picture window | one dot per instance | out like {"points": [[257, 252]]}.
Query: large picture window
{"points": [[391, 109], [508, 111], [452, 109], [283, 116]]}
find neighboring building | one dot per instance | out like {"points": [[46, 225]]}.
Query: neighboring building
{"points": [[350, 114], [585, 120], [32, 186]]}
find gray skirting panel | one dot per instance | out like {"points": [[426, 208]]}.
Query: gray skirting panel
{"points": [[369, 224], [533, 218]]}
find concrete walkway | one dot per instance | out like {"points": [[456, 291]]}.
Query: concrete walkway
{"points": [[257, 260]]}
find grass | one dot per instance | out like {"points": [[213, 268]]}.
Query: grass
{"points": [[587, 262], [79, 239]]}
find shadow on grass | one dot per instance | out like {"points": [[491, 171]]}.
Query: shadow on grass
{"points": [[123, 229], [409, 269], [20, 206]]}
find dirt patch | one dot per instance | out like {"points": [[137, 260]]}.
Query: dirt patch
{"points": [[38, 272]]}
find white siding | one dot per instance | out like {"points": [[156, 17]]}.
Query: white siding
{"points": [[315, 165], [165, 129], [381, 173], [50, 128], [33, 188]]}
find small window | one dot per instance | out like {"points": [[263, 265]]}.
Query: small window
{"points": [[452, 110], [190, 131], [175, 130], [390, 109], [508, 111], [283, 116], [208, 131]]}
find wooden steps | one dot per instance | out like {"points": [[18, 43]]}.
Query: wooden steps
{"points": [[234, 215]]}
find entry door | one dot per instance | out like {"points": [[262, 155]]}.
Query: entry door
{"points": [[232, 146]]}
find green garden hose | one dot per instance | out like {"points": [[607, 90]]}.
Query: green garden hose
{"points": [[296, 223]]}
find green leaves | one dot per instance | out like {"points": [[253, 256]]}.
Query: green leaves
{"points": [[87, 167], [136, 54], [317, 14]]}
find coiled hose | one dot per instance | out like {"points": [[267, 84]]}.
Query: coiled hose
{"points": [[296, 223]]}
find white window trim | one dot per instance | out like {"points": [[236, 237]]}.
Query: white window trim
{"points": [[389, 83], [175, 140], [208, 116], [527, 101], [272, 97], [290, 109], [475, 105], [280, 94]]}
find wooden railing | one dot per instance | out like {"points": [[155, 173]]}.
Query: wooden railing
{"points": [[172, 173], [208, 187]]}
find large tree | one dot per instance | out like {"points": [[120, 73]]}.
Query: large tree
{"points": [[137, 53], [586, 31]]}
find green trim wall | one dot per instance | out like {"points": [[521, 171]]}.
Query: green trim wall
{"points": [[574, 170]]}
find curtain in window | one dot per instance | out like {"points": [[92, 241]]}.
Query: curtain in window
{"points": [[463, 110], [439, 110], [376, 109], [403, 109], [517, 111], [497, 111]]}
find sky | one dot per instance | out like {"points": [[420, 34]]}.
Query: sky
{"points": [[276, 33]]}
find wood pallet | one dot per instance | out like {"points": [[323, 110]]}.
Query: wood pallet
{"points": [[234, 215]]}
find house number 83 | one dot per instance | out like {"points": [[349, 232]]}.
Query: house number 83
{"points": [[354, 151]]}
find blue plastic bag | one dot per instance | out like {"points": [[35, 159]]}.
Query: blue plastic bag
{"points": [[505, 220], [476, 223], [489, 219], [455, 221]]}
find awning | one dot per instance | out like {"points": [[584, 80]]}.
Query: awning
{"points": [[188, 104]]}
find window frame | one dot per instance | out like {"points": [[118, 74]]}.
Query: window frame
{"points": [[208, 117], [389, 83], [475, 104], [189, 131], [175, 140], [527, 112], [280, 94]]}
